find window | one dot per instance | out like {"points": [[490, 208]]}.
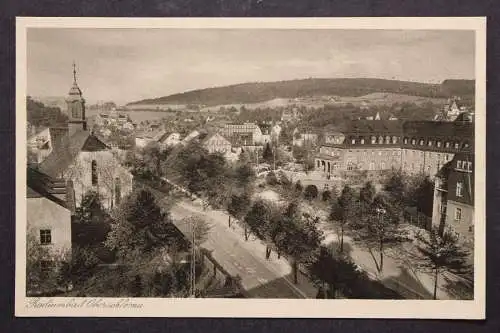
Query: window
{"points": [[353, 141], [394, 139], [458, 214], [382, 165], [405, 141], [457, 145], [380, 140], [362, 141], [372, 166], [459, 164], [413, 141], [438, 144], [421, 142], [379, 153], [429, 143], [387, 139], [374, 140], [460, 189], [45, 236], [447, 145], [94, 172], [466, 145], [469, 166]]}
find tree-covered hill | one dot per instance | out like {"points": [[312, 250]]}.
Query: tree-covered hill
{"points": [[264, 91]]}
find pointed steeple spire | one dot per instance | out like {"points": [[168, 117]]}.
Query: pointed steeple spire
{"points": [[74, 72], [75, 90]]}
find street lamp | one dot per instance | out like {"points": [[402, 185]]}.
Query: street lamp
{"points": [[380, 213]]}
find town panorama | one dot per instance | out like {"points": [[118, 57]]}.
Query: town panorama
{"points": [[348, 187]]}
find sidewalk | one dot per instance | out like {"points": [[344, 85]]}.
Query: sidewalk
{"points": [[257, 247]]}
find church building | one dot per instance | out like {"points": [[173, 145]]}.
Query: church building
{"points": [[82, 159]]}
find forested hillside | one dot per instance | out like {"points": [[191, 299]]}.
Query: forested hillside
{"points": [[265, 91]]}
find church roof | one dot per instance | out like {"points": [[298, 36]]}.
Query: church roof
{"points": [[67, 148]]}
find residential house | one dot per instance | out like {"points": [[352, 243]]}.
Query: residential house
{"points": [[143, 138], [216, 143], [453, 207], [192, 135], [290, 115], [39, 146], [170, 139], [304, 137], [49, 207]]}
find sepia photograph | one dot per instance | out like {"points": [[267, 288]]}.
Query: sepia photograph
{"points": [[317, 168]]}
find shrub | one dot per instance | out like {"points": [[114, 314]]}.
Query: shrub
{"points": [[311, 192], [271, 179], [326, 196]]}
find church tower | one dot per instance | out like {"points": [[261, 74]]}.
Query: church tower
{"points": [[76, 108]]}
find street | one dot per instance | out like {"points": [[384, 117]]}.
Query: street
{"points": [[261, 278]]}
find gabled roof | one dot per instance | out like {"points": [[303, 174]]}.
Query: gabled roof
{"points": [[67, 148], [211, 135]]}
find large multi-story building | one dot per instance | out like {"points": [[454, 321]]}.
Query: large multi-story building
{"points": [[378, 145], [246, 134], [428, 145], [370, 146]]}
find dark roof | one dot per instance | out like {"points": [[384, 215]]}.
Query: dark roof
{"points": [[65, 150], [363, 126], [439, 129], [42, 185], [94, 144]]}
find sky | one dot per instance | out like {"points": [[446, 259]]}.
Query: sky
{"points": [[125, 65]]}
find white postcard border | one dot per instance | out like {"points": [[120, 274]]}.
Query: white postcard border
{"points": [[310, 308]]}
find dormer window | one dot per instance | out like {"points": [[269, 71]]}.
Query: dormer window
{"points": [[459, 164], [413, 141], [438, 144], [429, 143], [421, 142], [353, 141], [380, 140], [457, 145], [394, 139], [387, 139], [447, 145], [374, 140], [406, 141], [466, 145], [362, 141]]}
